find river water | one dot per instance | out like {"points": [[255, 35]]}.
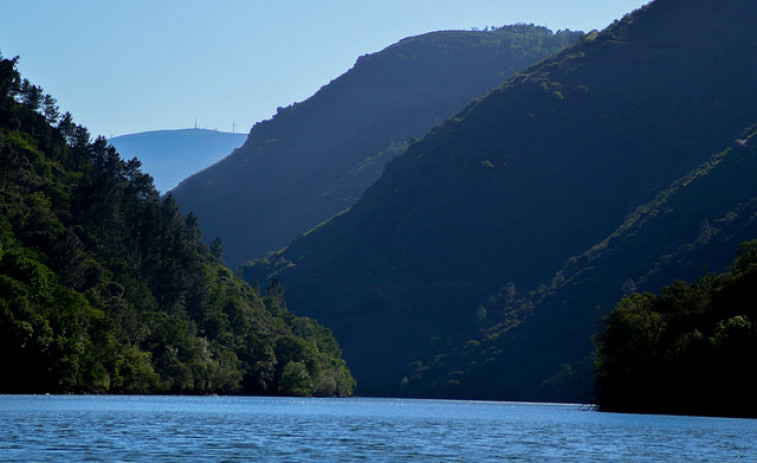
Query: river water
{"points": [[234, 429]]}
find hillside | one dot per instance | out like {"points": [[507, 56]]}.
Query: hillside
{"points": [[315, 158], [500, 196], [690, 229], [106, 288], [170, 156]]}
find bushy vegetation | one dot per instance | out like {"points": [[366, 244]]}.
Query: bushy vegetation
{"points": [[106, 287], [689, 349]]}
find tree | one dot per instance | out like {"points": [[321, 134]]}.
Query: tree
{"points": [[295, 380], [746, 259], [9, 77], [31, 95], [216, 249], [51, 109]]}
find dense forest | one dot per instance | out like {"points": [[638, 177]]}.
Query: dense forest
{"points": [[315, 158], [486, 227], [688, 350], [106, 287]]}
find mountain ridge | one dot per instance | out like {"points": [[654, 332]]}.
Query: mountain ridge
{"points": [[315, 158], [172, 155], [536, 171]]}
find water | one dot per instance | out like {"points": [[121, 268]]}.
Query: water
{"points": [[158, 429]]}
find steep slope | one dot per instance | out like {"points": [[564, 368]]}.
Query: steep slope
{"points": [[170, 156], [106, 288], [537, 171], [315, 158], [694, 226]]}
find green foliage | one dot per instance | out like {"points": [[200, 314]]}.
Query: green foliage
{"points": [[106, 288], [295, 380], [687, 350]]}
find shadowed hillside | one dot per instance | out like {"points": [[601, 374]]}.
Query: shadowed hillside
{"points": [[502, 194], [693, 227], [315, 158]]}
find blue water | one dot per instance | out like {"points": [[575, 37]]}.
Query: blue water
{"points": [[186, 429]]}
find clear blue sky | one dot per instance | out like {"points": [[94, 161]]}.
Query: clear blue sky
{"points": [[130, 66]]}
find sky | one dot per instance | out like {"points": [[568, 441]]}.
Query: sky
{"points": [[128, 66]]}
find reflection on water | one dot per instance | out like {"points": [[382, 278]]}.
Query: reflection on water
{"points": [[142, 428]]}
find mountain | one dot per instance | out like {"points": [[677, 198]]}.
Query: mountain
{"points": [[314, 159], [170, 156], [106, 288], [493, 202], [692, 228]]}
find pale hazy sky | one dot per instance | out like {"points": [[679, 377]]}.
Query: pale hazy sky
{"points": [[130, 66]]}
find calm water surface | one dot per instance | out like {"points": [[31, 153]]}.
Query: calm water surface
{"points": [[158, 429]]}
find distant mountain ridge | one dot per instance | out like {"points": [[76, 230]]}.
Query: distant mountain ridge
{"points": [[170, 156], [315, 158], [495, 200]]}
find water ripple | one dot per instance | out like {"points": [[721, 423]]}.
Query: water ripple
{"points": [[235, 429]]}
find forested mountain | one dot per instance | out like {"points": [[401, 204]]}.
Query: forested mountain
{"points": [[314, 159], [494, 201], [170, 156], [104, 287], [691, 228]]}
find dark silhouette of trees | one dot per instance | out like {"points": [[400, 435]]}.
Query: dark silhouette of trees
{"points": [[687, 350]]}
